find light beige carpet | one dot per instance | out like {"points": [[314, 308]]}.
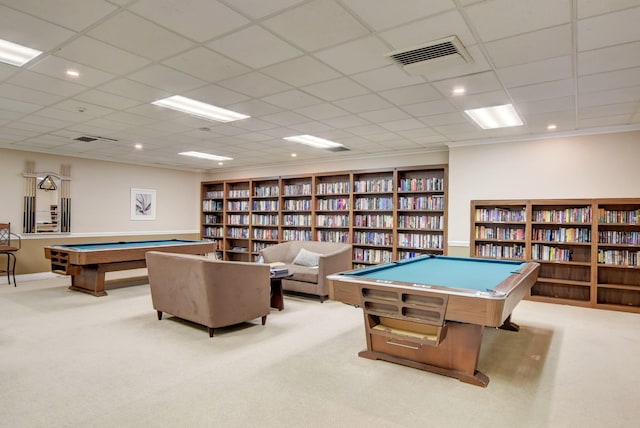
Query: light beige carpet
{"points": [[72, 360]]}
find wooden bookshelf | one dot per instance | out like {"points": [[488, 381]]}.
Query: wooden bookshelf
{"points": [[386, 215], [588, 248]]}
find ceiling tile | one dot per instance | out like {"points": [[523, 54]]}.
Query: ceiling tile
{"points": [[255, 47], [537, 72], [285, 118], [411, 94], [206, 65], [200, 20], [216, 95], [388, 14], [166, 78], [301, 71], [531, 47], [385, 115], [616, 96], [321, 111], [610, 80], [56, 67], [105, 99], [595, 33], [292, 99], [336, 89], [389, 77], [42, 35], [356, 56], [542, 91], [427, 30], [134, 90], [255, 85], [429, 108], [609, 59], [134, 34], [517, 16], [28, 95], [305, 26], [259, 8], [76, 14], [97, 54], [586, 8], [10, 104], [363, 103]]}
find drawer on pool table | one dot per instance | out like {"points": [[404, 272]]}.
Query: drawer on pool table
{"points": [[396, 332]]}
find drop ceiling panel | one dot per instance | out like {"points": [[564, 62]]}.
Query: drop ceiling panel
{"points": [[56, 67], [134, 34], [76, 15], [385, 78], [18, 93], [301, 71], [412, 94], [609, 59], [356, 56], [531, 47], [254, 47], [255, 85], [536, 72], [42, 35], [134, 90], [200, 20], [260, 8], [97, 54], [517, 17], [594, 33], [306, 26], [387, 14], [206, 65], [336, 89], [171, 80]]}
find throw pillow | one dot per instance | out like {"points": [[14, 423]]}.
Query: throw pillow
{"points": [[306, 258]]}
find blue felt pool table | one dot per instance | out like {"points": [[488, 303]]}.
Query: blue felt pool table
{"points": [[429, 312], [87, 263]]}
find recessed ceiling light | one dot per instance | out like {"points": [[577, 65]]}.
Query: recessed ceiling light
{"points": [[293, 155], [552, 126], [459, 90], [205, 156], [15, 54], [494, 117], [199, 109], [72, 73], [310, 140], [138, 146]]}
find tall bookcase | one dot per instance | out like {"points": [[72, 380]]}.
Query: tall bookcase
{"points": [[385, 214], [587, 248]]}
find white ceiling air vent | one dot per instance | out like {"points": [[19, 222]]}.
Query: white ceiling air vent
{"points": [[90, 138], [432, 56]]}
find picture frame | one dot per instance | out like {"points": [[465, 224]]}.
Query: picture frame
{"points": [[143, 204]]}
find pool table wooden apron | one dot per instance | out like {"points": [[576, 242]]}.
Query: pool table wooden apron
{"points": [[429, 329], [88, 268]]}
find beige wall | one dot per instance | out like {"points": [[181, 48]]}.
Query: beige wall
{"points": [[596, 166], [100, 202]]}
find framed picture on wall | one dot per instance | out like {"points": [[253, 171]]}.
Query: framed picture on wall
{"points": [[143, 204]]}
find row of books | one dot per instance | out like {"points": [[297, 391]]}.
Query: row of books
{"points": [[563, 234], [332, 188], [501, 215], [546, 252], [373, 238], [266, 205], [420, 240], [421, 203], [566, 215], [296, 235], [238, 193], [335, 204], [332, 236], [267, 191], [371, 203], [618, 257], [499, 232], [268, 234], [214, 194], [619, 237], [419, 184], [297, 205], [619, 216], [297, 189], [324, 220], [373, 185], [265, 219], [500, 251], [372, 255], [373, 220], [238, 205], [296, 220], [238, 219], [421, 221], [209, 205]]}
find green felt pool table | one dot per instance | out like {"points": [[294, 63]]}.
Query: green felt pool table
{"points": [[87, 263], [429, 312]]}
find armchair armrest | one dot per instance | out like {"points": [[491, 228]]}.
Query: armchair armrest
{"points": [[336, 261]]}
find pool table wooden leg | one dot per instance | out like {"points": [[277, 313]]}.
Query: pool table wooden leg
{"points": [[89, 280], [509, 325]]}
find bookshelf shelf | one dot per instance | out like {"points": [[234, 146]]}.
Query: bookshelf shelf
{"points": [[588, 249], [357, 207]]}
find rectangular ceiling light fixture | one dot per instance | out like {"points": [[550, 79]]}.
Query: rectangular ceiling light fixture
{"points": [[205, 156], [199, 109], [494, 117], [310, 140], [17, 55]]}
